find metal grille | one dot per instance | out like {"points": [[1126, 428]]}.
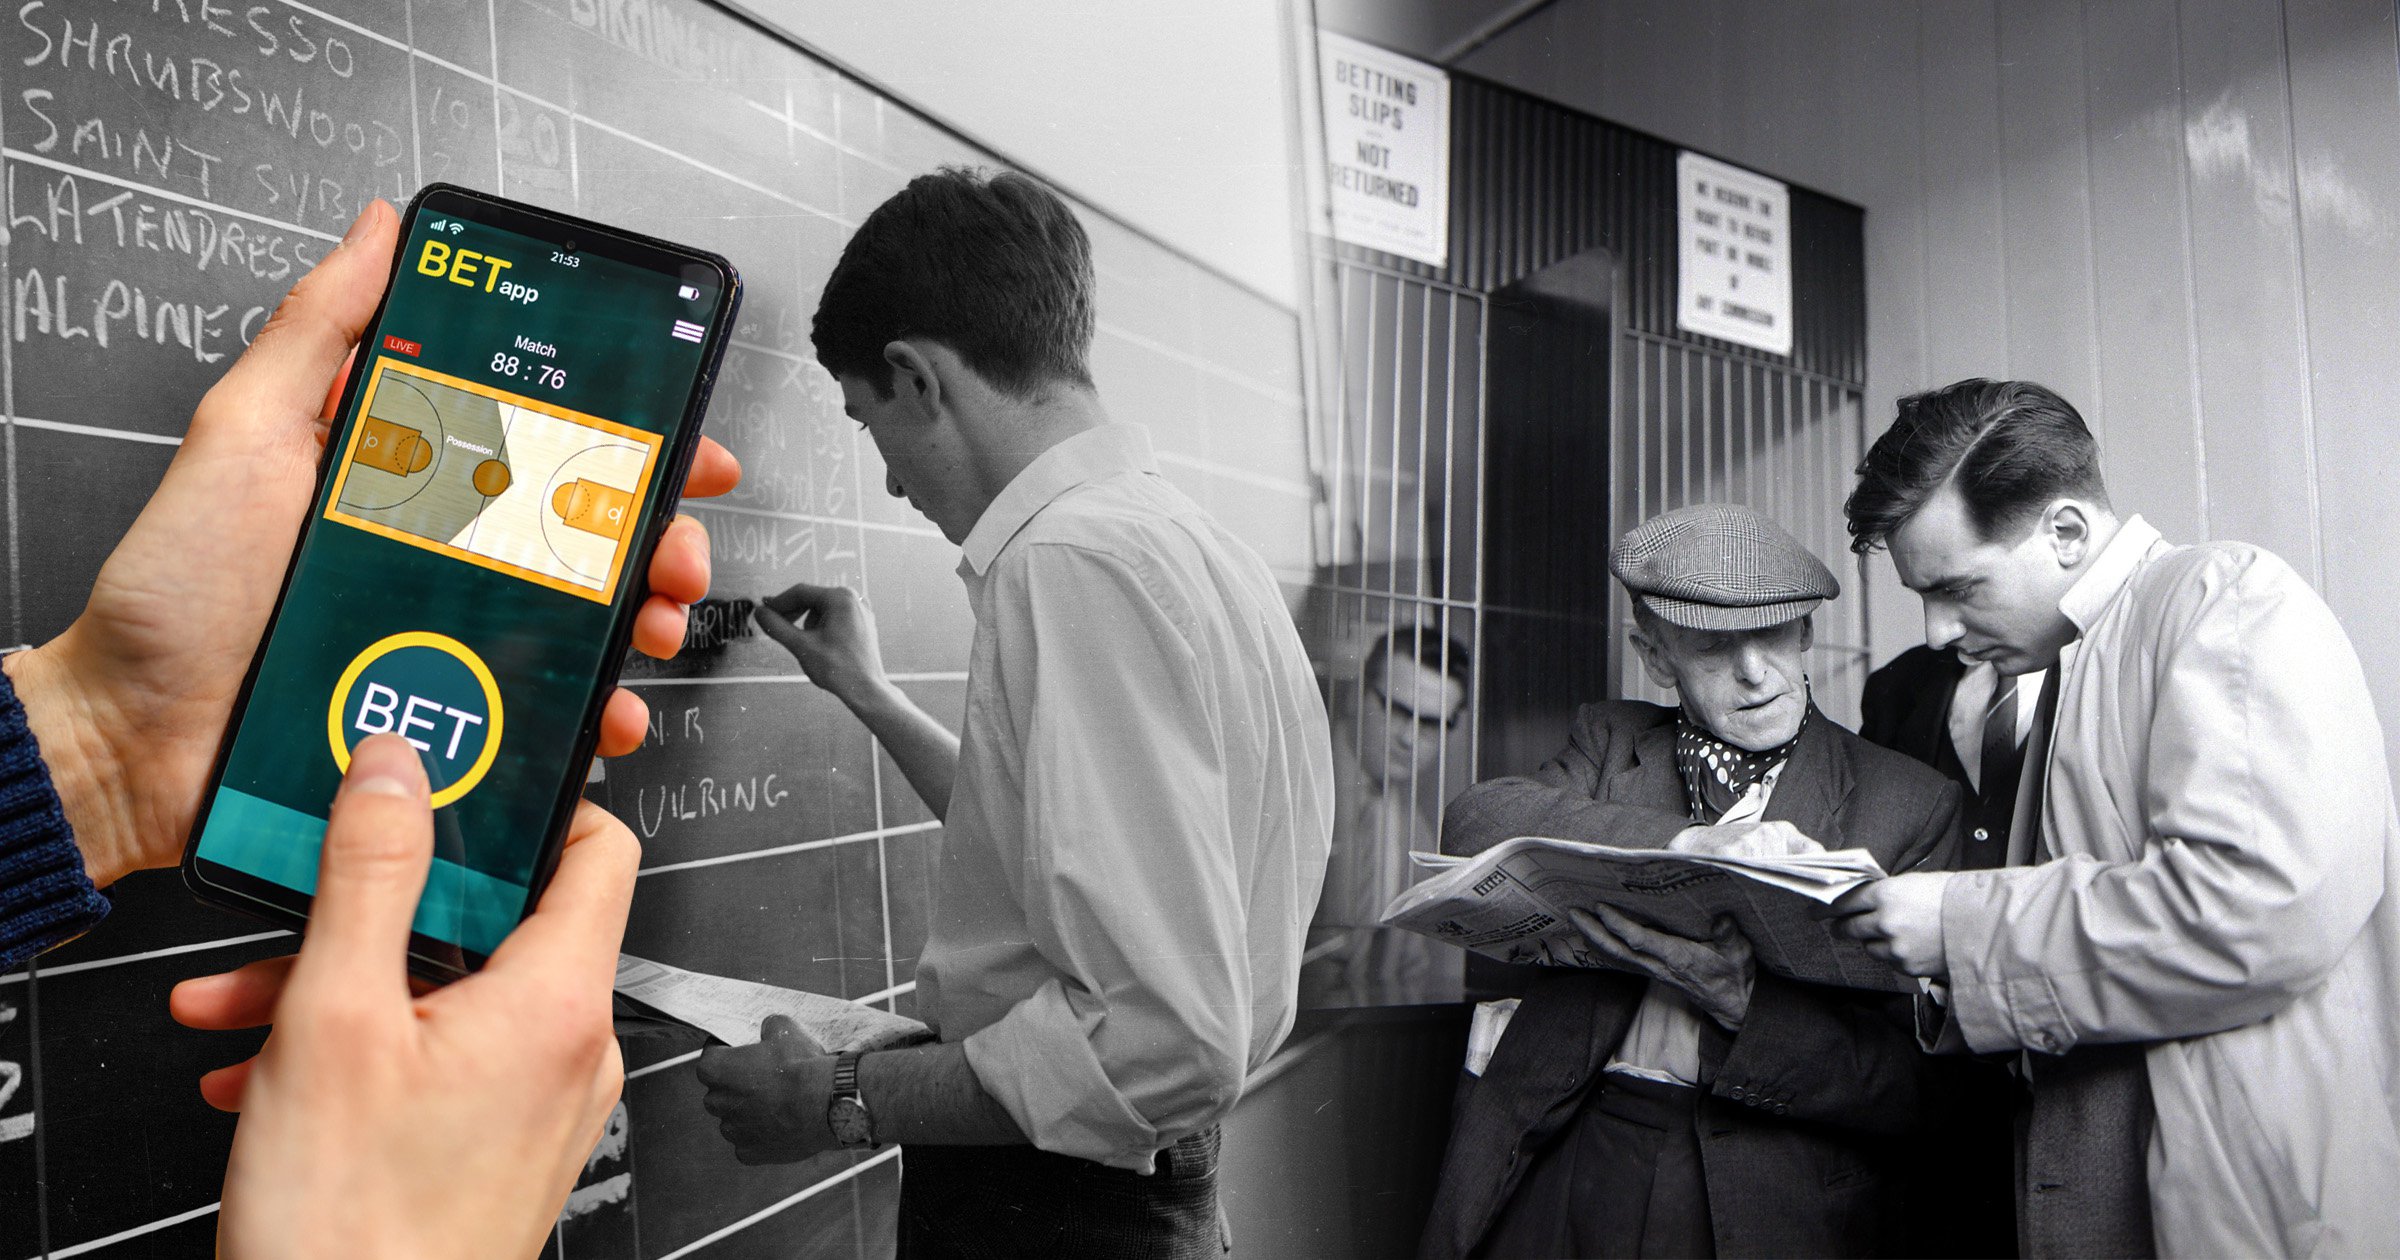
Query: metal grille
{"points": [[1696, 426], [1399, 458]]}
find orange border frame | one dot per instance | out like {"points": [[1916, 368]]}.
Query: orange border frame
{"points": [[650, 442]]}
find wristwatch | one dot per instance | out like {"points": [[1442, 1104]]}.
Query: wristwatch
{"points": [[846, 1111]]}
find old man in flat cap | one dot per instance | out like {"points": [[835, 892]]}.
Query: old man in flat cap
{"points": [[1671, 1099]]}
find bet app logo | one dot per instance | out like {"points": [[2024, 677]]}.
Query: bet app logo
{"points": [[430, 690]]}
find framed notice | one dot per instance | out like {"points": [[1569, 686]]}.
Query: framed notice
{"points": [[1387, 149], [1735, 275]]}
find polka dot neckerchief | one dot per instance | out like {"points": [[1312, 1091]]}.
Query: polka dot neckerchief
{"points": [[1716, 775]]}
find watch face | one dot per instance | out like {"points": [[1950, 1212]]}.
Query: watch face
{"points": [[847, 1117]]}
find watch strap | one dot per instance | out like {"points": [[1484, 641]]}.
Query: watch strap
{"points": [[846, 1111]]}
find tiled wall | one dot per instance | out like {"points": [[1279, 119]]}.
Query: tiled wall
{"points": [[779, 845]]}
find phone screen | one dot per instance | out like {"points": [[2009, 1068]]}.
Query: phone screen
{"points": [[515, 426]]}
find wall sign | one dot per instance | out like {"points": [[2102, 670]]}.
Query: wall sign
{"points": [[1387, 149], [1735, 277]]}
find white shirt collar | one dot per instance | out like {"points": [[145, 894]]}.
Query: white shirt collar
{"points": [[1088, 456], [2111, 570]]}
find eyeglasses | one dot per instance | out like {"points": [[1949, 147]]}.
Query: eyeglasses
{"points": [[1427, 721]]}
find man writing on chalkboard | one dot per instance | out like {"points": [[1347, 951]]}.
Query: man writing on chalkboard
{"points": [[1138, 814]]}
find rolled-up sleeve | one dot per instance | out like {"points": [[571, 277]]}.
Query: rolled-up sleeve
{"points": [[1130, 879], [2266, 803]]}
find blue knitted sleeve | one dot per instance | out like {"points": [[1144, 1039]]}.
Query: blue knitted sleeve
{"points": [[45, 897]]}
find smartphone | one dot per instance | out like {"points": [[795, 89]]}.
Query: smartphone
{"points": [[511, 440]]}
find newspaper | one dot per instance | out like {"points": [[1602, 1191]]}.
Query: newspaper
{"points": [[731, 1010], [1510, 902]]}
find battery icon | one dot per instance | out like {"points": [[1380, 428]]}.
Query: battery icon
{"points": [[688, 293]]}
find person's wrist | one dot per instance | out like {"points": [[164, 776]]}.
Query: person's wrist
{"points": [[815, 1096], [874, 696], [84, 771]]}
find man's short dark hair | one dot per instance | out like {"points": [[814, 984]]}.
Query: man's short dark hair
{"points": [[2011, 448], [1437, 652], [993, 266]]}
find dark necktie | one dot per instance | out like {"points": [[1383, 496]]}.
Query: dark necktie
{"points": [[2002, 765], [2025, 837]]}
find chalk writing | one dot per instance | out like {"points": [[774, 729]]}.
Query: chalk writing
{"points": [[705, 797], [19, 1127], [591, 1195]]}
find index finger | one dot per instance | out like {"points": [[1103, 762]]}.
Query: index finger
{"points": [[1637, 935], [572, 937], [714, 471], [1601, 931], [801, 597]]}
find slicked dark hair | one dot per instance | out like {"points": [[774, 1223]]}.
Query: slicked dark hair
{"points": [[2011, 448], [994, 266], [1437, 652]]}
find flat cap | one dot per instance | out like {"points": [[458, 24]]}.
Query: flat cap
{"points": [[1720, 566]]}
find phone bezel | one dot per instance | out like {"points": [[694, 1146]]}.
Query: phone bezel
{"points": [[428, 956]]}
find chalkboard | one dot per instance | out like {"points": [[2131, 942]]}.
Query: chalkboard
{"points": [[170, 166]]}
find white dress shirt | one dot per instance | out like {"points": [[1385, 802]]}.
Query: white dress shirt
{"points": [[1143, 808], [1971, 701]]}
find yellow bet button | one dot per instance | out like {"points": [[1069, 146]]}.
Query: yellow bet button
{"points": [[430, 690]]}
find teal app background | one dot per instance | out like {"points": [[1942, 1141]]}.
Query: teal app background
{"points": [[615, 359]]}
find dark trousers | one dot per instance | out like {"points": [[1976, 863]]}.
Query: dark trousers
{"points": [[1623, 1180], [991, 1202], [2083, 1154]]}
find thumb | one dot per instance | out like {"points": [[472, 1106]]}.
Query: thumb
{"points": [[378, 845], [280, 379], [778, 625], [778, 1028]]}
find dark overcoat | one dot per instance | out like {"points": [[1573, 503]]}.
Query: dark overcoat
{"points": [[1806, 1108]]}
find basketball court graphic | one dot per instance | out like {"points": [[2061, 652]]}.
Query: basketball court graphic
{"points": [[511, 483]]}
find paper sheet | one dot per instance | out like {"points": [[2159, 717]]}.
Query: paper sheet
{"points": [[731, 1010], [1483, 1034]]}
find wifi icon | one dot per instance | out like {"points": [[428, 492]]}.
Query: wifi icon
{"points": [[457, 227]]}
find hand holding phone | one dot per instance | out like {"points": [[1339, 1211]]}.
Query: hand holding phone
{"points": [[130, 703], [452, 1124], [510, 444]]}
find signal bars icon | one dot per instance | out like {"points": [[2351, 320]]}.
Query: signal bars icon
{"points": [[685, 330]]}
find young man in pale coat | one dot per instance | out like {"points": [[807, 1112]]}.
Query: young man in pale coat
{"points": [[2197, 939]]}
